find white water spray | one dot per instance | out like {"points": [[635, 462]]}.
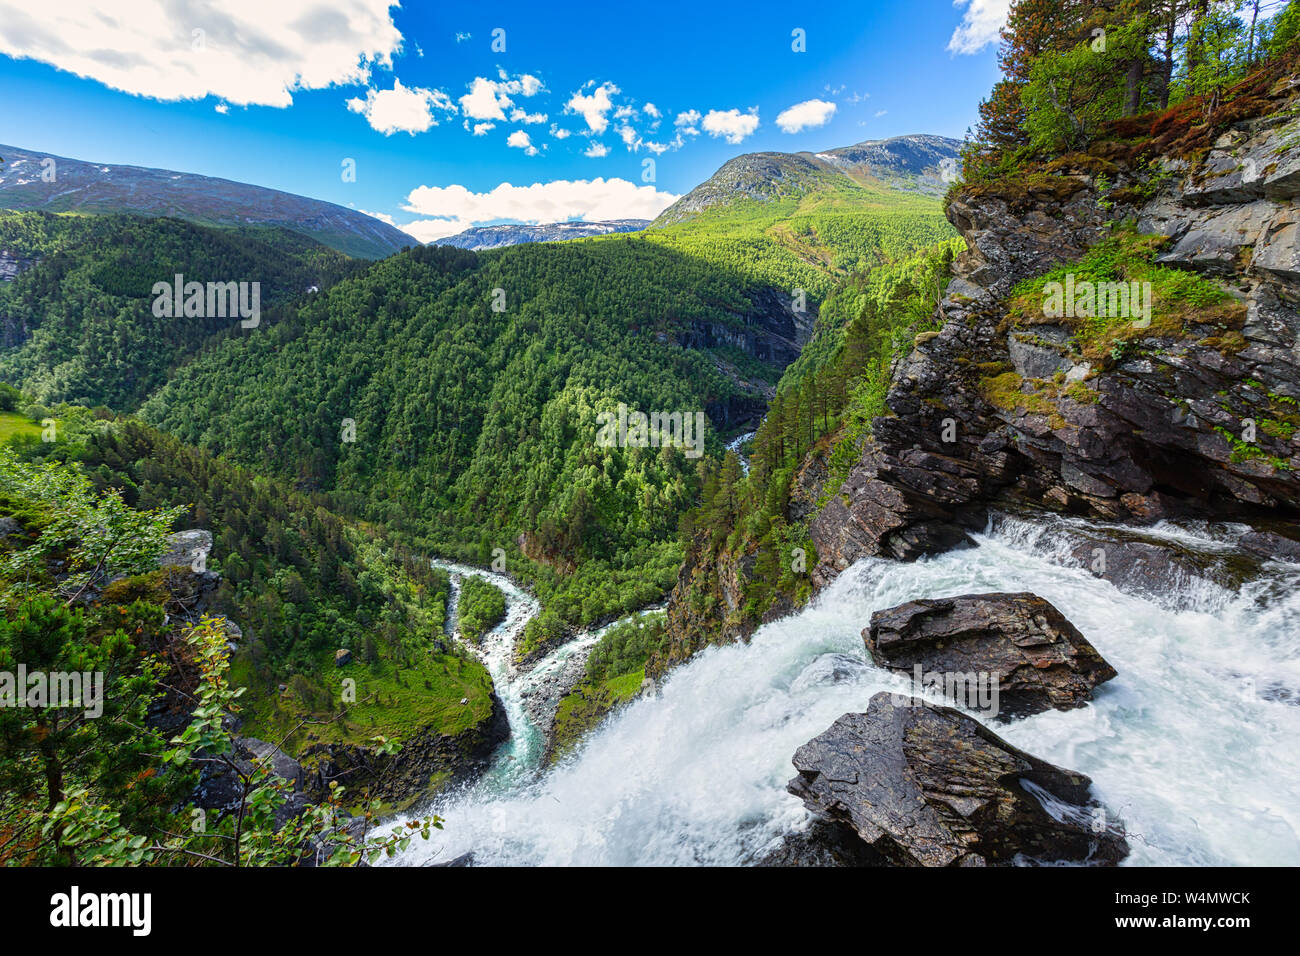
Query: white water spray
{"points": [[1193, 745]]}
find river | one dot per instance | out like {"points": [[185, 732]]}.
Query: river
{"points": [[1193, 745]]}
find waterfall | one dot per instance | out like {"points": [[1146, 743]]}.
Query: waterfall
{"points": [[1193, 745]]}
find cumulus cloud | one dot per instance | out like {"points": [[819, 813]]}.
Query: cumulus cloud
{"points": [[242, 52], [594, 107], [596, 150], [981, 24], [401, 109], [490, 99], [731, 125], [806, 115], [688, 122], [448, 210], [521, 140]]}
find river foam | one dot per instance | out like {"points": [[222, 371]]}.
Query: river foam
{"points": [[1193, 745]]}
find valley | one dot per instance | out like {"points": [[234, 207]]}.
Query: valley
{"points": [[918, 502]]}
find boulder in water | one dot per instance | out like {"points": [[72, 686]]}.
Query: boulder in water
{"points": [[1009, 655], [821, 844], [929, 786]]}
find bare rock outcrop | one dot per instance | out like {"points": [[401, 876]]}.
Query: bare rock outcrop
{"points": [[928, 786], [1012, 654], [1202, 422]]}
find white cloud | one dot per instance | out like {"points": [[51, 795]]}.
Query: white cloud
{"points": [[521, 140], [731, 125], [381, 216], [806, 115], [246, 53], [448, 210], [688, 122], [594, 107], [222, 108], [652, 111], [489, 99], [880, 113], [520, 116], [981, 24], [401, 109], [483, 102], [481, 129], [559, 132], [596, 150]]}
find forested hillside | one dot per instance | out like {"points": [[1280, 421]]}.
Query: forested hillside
{"points": [[410, 400], [78, 324], [798, 222], [301, 583], [38, 182]]}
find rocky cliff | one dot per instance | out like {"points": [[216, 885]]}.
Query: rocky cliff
{"points": [[1191, 412], [11, 265], [1194, 418]]}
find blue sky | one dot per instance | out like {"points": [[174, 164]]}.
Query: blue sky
{"points": [[282, 92]]}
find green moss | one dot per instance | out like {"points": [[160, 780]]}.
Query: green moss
{"points": [[1083, 394], [1006, 392], [1183, 305], [589, 704]]}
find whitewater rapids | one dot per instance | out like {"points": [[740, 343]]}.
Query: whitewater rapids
{"points": [[1195, 745]]}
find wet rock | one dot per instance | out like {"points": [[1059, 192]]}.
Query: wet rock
{"points": [[1273, 545], [1145, 562], [465, 859], [928, 786], [1010, 655], [823, 844]]}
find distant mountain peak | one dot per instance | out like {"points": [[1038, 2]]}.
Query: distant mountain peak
{"points": [[85, 187], [904, 163], [514, 234]]}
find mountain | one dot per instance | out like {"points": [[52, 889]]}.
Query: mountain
{"points": [[904, 164], [513, 234], [77, 322], [99, 188], [800, 222], [457, 396]]}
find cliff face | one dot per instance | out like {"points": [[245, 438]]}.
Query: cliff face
{"points": [[1198, 423], [11, 265], [1194, 418]]}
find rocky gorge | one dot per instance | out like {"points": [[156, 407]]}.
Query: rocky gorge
{"points": [[1013, 419]]}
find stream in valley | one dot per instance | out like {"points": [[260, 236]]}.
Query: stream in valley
{"points": [[1193, 745]]}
